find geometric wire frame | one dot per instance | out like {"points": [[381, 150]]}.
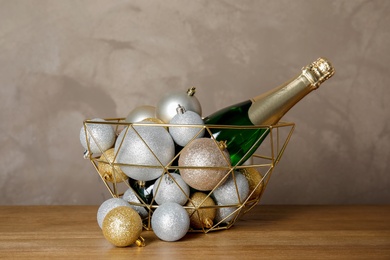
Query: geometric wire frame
{"points": [[263, 162]]}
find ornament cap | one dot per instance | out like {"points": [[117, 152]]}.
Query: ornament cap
{"points": [[141, 184], [180, 109], [86, 154], [140, 242], [208, 223], [191, 91], [222, 145]]}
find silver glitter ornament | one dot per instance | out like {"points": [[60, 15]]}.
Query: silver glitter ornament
{"points": [[204, 152], [182, 135], [170, 221], [225, 214], [166, 106], [104, 135], [233, 191], [171, 188], [107, 206], [159, 149], [141, 113], [130, 196]]}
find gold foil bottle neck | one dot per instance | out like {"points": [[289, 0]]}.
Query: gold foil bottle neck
{"points": [[321, 69]]}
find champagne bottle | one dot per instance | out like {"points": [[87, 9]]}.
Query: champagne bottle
{"points": [[265, 109]]}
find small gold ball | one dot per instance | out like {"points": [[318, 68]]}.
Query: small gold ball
{"points": [[254, 178], [108, 172], [122, 226], [201, 217]]}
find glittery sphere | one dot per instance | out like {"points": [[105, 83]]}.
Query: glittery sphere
{"points": [[108, 172], [182, 135], [171, 188], [104, 135], [254, 180], [122, 226], [200, 215], [107, 206], [140, 113], [225, 214], [170, 221], [133, 150], [166, 107], [227, 193], [203, 152], [130, 197]]}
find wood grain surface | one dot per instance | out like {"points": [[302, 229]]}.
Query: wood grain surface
{"points": [[266, 232]]}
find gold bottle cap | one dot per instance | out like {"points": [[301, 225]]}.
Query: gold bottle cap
{"points": [[322, 70]]}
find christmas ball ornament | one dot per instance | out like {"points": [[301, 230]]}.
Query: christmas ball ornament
{"points": [[255, 181], [131, 197], [142, 146], [154, 120], [107, 206], [233, 191], [204, 152], [100, 137], [171, 188], [201, 211], [182, 135], [170, 221], [140, 113], [122, 226], [225, 214], [107, 170], [166, 107]]}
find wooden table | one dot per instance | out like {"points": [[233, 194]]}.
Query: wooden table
{"points": [[270, 232]]}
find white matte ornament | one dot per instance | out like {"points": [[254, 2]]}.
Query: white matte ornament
{"points": [[107, 206], [166, 107], [170, 221], [227, 193], [134, 151], [130, 196], [171, 188], [182, 135], [104, 135], [200, 156], [141, 113]]}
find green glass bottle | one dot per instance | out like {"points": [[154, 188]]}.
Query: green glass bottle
{"points": [[265, 109]]}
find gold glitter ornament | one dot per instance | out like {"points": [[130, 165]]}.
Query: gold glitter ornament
{"points": [[122, 227], [108, 172], [207, 162], [201, 217], [154, 120], [254, 178]]}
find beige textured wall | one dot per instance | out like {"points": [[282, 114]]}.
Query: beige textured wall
{"points": [[64, 61]]}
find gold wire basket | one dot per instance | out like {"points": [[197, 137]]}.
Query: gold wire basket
{"points": [[263, 162]]}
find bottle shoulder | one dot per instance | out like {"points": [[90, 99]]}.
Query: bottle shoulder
{"points": [[236, 114]]}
